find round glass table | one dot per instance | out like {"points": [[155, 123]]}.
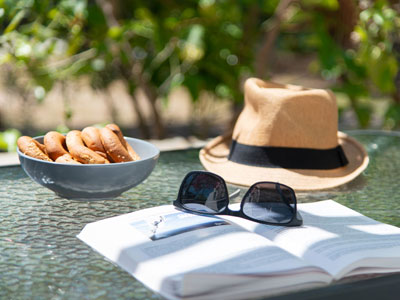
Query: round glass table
{"points": [[41, 258]]}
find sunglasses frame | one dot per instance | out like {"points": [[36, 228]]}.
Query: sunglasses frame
{"points": [[296, 219]]}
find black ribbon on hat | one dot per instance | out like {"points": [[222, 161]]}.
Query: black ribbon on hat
{"points": [[288, 158]]}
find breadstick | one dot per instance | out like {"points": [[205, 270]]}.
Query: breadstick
{"points": [[33, 148], [80, 152], [115, 128], [67, 159], [91, 138], [113, 146], [55, 144]]}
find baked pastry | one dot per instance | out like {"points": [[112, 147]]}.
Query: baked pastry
{"points": [[91, 146], [80, 152], [91, 138], [67, 159], [55, 144], [115, 128], [33, 148], [113, 146]]}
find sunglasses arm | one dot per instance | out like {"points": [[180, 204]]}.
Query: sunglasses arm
{"points": [[235, 194]]}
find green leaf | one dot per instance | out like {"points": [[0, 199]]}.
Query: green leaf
{"points": [[3, 144], [39, 93], [193, 48], [378, 19], [352, 89], [392, 116], [8, 139], [363, 113], [15, 21], [223, 91], [193, 84], [62, 129], [115, 32], [195, 36], [176, 81]]}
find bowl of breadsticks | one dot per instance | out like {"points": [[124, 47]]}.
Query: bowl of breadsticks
{"points": [[95, 163]]}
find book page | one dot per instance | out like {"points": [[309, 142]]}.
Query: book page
{"points": [[340, 240], [162, 245]]}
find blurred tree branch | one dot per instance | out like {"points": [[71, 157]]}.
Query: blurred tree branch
{"points": [[346, 21], [203, 46], [270, 35], [136, 75]]}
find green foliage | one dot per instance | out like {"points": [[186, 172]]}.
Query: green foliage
{"points": [[8, 140], [41, 39], [198, 44], [393, 116], [378, 29], [361, 64], [206, 45]]}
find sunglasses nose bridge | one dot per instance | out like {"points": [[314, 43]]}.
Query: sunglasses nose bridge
{"points": [[234, 213]]}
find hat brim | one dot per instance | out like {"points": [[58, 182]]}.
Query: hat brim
{"points": [[214, 158]]}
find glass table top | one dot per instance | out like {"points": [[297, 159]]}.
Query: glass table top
{"points": [[41, 258]]}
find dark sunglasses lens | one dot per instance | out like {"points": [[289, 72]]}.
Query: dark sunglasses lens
{"points": [[270, 202], [204, 193]]}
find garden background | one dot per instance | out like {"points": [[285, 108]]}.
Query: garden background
{"points": [[170, 68]]}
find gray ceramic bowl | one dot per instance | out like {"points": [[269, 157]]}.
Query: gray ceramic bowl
{"points": [[92, 181]]}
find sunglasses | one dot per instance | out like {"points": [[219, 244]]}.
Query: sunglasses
{"points": [[265, 202]]}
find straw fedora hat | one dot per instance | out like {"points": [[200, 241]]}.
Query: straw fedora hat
{"points": [[288, 134]]}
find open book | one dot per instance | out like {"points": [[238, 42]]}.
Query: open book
{"points": [[183, 255]]}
